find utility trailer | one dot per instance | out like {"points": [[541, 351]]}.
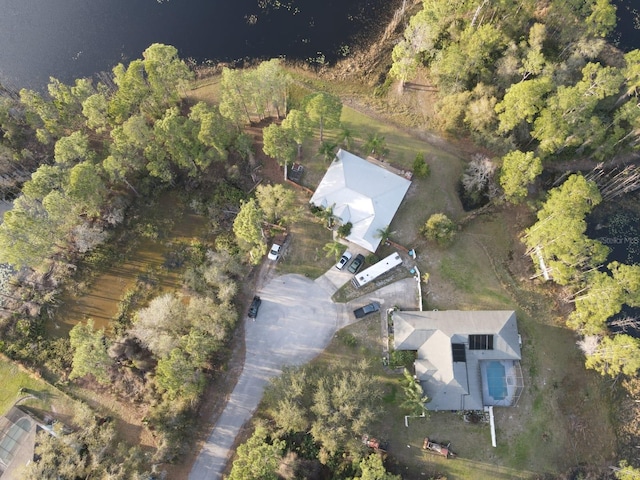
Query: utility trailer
{"points": [[438, 448], [374, 443]]}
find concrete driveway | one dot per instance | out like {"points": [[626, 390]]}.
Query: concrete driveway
{"points": [[296, 321]]}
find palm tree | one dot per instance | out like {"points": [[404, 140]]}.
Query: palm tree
{"points": [[346, 137], [415, 399], [376, 145], [383, 234], [328, 150], [327, 215], [333, 249]]}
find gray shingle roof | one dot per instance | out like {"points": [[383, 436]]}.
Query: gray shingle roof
{"points": [[454, 385]]}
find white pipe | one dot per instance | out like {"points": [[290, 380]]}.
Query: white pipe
{"points": [[492, 422]]}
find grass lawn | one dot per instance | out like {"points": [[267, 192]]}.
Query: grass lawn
{"points": [[305, 255], [205, 90], [402, 146], [47, 398]]}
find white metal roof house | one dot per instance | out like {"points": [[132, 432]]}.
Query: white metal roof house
{"points": [[466, 360], [362, 193]]}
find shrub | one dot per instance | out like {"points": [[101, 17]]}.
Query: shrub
{"points": [[421, 168], [348, 339], [345, 230], [439, 228], [402, 358]]}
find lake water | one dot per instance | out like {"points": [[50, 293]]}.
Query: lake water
{"points": [[74, 38], [627, 34]]}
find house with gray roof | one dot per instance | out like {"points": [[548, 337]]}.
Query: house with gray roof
{"points": [[363, 194], [466, 360]]}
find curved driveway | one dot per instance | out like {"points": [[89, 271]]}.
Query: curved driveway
{"points": [[297, 319], [295, 323]]}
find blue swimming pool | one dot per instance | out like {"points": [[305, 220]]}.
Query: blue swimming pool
{"points": [[496, 381]]}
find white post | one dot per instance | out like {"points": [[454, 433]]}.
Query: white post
{"points": [[418, 280]]}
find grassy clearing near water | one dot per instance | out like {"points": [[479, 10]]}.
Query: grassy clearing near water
{"points": [[18, 383], [402, 147]]}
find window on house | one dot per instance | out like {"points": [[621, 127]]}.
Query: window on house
{"points": [[480, 342], [458, 351]]}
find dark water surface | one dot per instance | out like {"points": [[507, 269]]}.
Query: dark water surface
{"points": [[68, 39], [627, 34]]}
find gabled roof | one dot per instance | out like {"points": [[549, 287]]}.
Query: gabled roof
{"points": [[454, 385], [362, 193]]}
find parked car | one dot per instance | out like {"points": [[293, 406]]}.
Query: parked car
{"points": [[366, 310], [276, 249], [356, 264], [344, 259], [255, 306], [274, 252]]}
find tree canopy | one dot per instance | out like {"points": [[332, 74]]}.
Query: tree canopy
{"points": [[553, 92], [324, 110], [559, 235], [90, 352]]}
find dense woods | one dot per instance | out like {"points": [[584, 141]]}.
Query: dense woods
{"points": [[78, 163], [316, 416], [538, 84]]}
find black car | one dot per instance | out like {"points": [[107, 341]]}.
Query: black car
{"points": [[356, 264], [366, 310], [255, 306]]}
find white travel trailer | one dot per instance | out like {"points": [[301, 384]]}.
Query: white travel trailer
{"points": [[374, 271]]}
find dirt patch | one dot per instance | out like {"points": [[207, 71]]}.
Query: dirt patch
{"points": [[127, 416], [266, 167]]}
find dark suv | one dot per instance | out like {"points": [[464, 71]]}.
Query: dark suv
{"points": [[366, 310], [356, 264], [255, 306]]}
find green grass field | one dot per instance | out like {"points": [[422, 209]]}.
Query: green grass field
{"points": [[17, 383], [305, 255]]}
